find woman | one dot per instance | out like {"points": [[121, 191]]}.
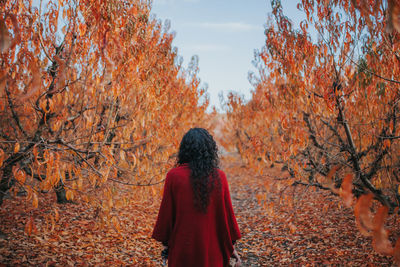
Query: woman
{"points": [[196, 220]]}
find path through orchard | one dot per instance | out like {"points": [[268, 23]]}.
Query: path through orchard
{"points": [[315, 231]]}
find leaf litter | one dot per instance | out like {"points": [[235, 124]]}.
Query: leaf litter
{"points": [[280, 225]]}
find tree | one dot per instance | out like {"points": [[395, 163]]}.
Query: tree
{"points": [[92, 94], [328, 107]]}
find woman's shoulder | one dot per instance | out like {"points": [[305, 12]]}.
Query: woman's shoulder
{"points": [[221, 172], [178, 170], [222, 176]]}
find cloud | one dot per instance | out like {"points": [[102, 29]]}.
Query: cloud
{"points": [[229, 26]]}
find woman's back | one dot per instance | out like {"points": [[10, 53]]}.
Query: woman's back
{"points": [[195, 237]]}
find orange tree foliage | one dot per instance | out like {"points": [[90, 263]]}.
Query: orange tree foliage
{"points": [[326, 103], [91, 93]]}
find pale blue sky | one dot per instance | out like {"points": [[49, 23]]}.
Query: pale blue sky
{"points": [[224, 34]]}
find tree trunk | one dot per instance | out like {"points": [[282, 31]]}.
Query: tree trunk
{"points": [[61, 193], [5, 182]]}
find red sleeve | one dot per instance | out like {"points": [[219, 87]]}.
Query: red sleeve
{"points": [[231, 220], [166, 215]]}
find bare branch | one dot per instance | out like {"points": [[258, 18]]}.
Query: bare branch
{"points": [[14, 114], [136, 184]]}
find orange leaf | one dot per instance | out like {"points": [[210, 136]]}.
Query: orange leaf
{"points": [[363, 214], [69, 195], [82, 29], [35, 83], [332, 171], [20, 176], [346, 190], [29, 226], [35, 201], [396, 16], [393, 20], [5, 38], [29, 193], [56, 215], [380, 240], [16, 147], [2, 156], [115, 223]]}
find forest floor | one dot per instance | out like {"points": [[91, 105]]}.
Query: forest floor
{"points": [[314, 229]]}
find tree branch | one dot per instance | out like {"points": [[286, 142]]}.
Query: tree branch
{"points": [[14, 114]]}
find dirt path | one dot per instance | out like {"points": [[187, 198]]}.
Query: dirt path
{"points": [[316, 231]]}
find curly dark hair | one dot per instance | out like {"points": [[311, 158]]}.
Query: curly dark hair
{"points": [[199, 150]]}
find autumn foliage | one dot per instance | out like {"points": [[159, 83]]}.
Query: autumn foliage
{"points": [[92, 95], [325, 105], [94, 101]]}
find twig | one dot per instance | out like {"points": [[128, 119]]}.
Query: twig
{"points": [[314, 185]]}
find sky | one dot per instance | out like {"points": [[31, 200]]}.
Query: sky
{"points": [[224, 35]]}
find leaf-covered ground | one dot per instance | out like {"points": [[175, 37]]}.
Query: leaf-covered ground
{"points": [[301, 227], [297, 227]]}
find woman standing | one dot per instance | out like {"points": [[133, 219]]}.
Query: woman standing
{"points": [[196, 222]]}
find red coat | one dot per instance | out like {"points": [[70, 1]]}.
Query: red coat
{"points": [[195, 238]]}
